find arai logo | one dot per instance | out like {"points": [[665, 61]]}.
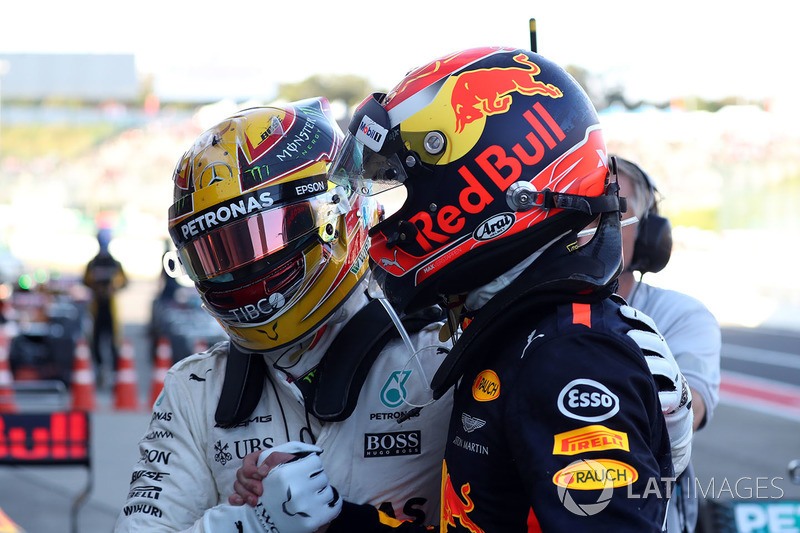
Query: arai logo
{"points": [[493, 227], [588, 400]]}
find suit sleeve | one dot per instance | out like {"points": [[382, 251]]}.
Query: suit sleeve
{"points": [[590, 438], [172, 487]]}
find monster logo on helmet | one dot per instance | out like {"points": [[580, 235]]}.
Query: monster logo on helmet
{"points": [[501, 154]]}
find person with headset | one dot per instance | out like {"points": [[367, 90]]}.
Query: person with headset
{"points": [[690, 329], [557, 406]]}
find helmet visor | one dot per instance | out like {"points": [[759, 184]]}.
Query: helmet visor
{"points": [[365, 171], [244, 241]]}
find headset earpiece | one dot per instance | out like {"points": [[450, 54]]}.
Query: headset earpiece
{"points": [[653, 246]]}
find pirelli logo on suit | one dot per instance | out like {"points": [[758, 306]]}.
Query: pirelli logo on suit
{"points": [[590, 439]]}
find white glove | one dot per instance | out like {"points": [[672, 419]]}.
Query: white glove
{"points": [[297, 496], [673, 391]]}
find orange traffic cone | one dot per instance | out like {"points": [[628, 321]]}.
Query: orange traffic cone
{"points": [[8, 402], [126, 387], [82, 386], [160, 368]]}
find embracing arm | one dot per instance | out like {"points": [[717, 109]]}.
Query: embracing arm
{"points": [[258, 475]]}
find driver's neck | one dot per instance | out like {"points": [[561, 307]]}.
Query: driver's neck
{"points": [[626, 282]]}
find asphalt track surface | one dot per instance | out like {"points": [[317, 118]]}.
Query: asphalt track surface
{"points": [[741, 454]]}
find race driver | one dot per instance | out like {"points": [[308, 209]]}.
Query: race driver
{"points": [[558, 424], [279, 256]]}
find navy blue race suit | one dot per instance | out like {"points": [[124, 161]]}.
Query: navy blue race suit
{"points": [[556, 427]]}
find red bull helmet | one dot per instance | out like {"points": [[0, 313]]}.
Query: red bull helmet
{"points": [[273, 247], [500, 152]]}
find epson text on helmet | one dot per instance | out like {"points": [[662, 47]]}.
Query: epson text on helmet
{"points": [[224, 213], [316, 186], [474, 198]]}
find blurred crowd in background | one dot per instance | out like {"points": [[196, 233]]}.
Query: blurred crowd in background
{"points": [[730, 181]]}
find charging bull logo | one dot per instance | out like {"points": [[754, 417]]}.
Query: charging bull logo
{"points": [[453, 506], [487, 91], [436, 70]]}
